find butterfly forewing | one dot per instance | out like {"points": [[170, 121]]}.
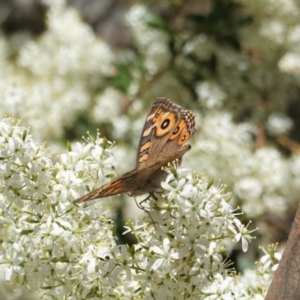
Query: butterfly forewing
{"points": [[138, 181], [115, 187]]}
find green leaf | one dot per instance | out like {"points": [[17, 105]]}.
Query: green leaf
{"points": [[154, 21], [123, 78]]}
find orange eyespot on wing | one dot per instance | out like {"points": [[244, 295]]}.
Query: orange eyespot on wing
{"points": [[178, 129], [185, 135], [181, 132], [166, 123]]}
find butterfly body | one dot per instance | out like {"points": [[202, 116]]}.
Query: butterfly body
{"points": [[167, 129]]}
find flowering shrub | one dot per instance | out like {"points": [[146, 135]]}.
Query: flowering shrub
{"points": [[240, 79], [49, 80], [63, 250]]}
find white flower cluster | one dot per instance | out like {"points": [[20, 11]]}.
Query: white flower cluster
{"points": [[39, 232], [50, 80], [277, 25], [152, 43], [261, 179], [210, 94], [258, 280], [51, 245]]}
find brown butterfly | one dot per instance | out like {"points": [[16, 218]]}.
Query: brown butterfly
{"points": [[165, 134]]}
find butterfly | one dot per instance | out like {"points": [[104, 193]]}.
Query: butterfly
{"points": [[166, 131]]}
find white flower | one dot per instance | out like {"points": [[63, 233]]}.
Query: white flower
{"points": [[290, 63], [241, 233], [151, 42], [211, 94], [164, 263], [279, 124], [124, 264]]}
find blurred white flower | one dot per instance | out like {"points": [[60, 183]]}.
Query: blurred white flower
{"points": [[248, 188], [107, 106], [273, 30], [290, 63], [51, 79], [211, 94], [279, 124], [202, 46], [294, 166], [152, 43]]}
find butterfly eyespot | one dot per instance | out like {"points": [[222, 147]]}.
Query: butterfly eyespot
{"points": [[165, 124], [184, 137], [176, 130]]}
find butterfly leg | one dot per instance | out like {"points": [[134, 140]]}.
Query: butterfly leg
{"points": [[140, 204], [142, 207]]}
